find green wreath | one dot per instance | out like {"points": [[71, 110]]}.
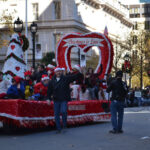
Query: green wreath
{"points": [[25, 43]]}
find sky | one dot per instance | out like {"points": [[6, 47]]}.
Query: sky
{"points": [[134, 1]]}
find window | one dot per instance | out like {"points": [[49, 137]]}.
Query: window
{"points": [[147, 24], [148, 9], [136, 10], [35, 11], [57, 9], [134, 39], [135, 26], [57, 37], [130, 11]]}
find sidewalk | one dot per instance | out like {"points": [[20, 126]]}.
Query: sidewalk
{"points": [[138, 109]]}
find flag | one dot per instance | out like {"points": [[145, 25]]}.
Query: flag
{"points": [[106, 31]]}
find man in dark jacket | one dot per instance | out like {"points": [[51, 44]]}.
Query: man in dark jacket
{"points": [[119, 91], [59, 88]]}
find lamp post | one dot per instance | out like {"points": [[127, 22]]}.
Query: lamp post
{"points": [[18, 25], [33, 29]]}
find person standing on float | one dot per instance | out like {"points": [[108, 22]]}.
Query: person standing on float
{"points": [[59, 88]]}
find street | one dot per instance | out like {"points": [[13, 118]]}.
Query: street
{"points": [[136, 136]]}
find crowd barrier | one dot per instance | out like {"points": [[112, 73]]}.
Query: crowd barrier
{"points": [[35, 114]]}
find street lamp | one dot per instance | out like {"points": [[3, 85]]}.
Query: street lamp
{"points": [[126, 64], [33, 29], [18, 25]]}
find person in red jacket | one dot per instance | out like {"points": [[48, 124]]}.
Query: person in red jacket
{"points": [[41, 88]]}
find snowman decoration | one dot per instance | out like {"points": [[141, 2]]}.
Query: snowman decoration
{"points": [[14, 64]]}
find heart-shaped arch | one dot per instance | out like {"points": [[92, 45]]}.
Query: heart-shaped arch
{"points": [[85, 42]]}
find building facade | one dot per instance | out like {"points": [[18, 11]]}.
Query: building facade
{"points": [[56, 18]]}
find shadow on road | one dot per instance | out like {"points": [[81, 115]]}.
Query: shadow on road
{"points": [[26, 131]]}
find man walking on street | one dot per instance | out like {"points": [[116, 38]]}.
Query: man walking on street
{"points": [[60, 90], [119, 91]]}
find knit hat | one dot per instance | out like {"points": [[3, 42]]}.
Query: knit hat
{"points": [[57, 69], [44, 77], [77, 67]]}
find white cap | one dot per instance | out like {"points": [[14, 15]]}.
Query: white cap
{"points": [[57, 69], [77, 67], [63, 69], [44, 77], [50, 66]]}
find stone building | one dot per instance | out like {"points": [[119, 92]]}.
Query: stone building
{"points": [[56, 18]]}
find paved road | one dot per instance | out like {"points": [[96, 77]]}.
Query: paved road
{"points": [[89, 137]]}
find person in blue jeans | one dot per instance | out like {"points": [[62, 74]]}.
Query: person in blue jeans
{"points": [[119, 91], [59, 90]]}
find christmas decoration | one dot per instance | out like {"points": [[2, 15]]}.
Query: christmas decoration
{"points": [[36, 114], [126, 67], [84, 43], [14, 63]]}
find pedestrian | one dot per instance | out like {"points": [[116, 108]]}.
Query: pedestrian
{"points": [[119, 91], [59, 88]]}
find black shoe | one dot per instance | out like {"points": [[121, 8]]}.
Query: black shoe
{"points": [[120, 131], [113, 131], [58, 131]]}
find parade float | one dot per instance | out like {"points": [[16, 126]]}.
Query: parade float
{"points": [[34, 114]]}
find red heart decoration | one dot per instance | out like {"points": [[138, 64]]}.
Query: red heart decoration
{"points": [[17, 68], [85, 42], [12, 47]]}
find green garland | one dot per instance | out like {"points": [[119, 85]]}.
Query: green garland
{"points": [[14, 56], [25, 43]]}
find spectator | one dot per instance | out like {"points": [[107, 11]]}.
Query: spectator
{"points": [[4, 85], [17, 89], [132, 97]]}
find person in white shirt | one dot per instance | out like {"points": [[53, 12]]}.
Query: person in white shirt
{"points": [[4, 85], [84, 93]]}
